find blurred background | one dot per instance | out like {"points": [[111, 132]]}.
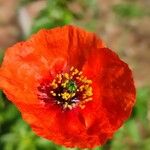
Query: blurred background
{"points": [[125, 27]]}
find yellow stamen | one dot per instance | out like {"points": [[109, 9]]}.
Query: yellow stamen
{"points": [[54, 84], [68, 86], [72, 68], [75, 72], [88, 91], [64, 84], [88, 81], [66, 75], [81, 88], [54, 94], [73, 94], [65, 95], [69, 106], [59, 78], [80, 73]]}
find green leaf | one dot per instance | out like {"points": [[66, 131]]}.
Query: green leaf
{"points": [[55, 14], [1, 55], [128, 10], [141, 106]]}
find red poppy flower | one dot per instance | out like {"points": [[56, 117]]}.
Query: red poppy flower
{"points": [[68, 86]]}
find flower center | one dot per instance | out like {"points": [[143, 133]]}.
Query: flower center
{"points": [[71, 89], [71, 86]]}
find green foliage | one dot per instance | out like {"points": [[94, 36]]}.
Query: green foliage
{"points": [[126, 137], [1, 55], [128, 10], [24, 2], [15, 134], [141, 108], [130, 136], [55, 14]]}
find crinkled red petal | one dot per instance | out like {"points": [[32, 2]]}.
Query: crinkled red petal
{"points": [[50, 52]]}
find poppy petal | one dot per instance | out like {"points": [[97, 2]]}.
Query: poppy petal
{"points": [[80, 107], [115, 87]]}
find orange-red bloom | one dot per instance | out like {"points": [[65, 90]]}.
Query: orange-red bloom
{"points": [[68, 86]]}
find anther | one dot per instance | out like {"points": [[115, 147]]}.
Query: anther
{"points": [[71, 89]]}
